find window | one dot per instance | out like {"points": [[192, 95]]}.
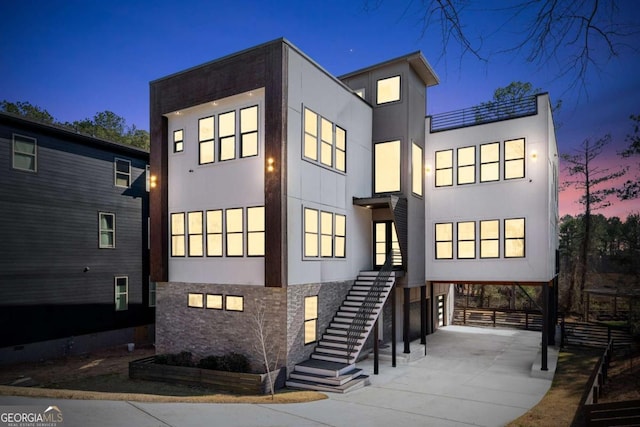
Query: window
{"points": [[234, 303], [255, 231], [514, 233], [214, 233], [227, 135], [444, 168], [467, 165], [416, 169], [195, 234], [388, 90], [490, 162], [326, 234], [234, 220], [178, 141], [444, 240], [121, 293], [122, 172], [249, 131], [24, 153], [490, 238], [310, 319], [340, 236], [177, 234], [152, 293], [107, 230], [214, 301], [387, 167], [310, 134], [514, 159], [341, 149], [310, 232], [326, 142], [466, 240], [195, 300], [206, 140]]}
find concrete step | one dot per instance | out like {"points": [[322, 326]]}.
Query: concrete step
{"points": [[332, 358], [354, 384], [343, 352], [338, 338], [324, 368], [327, 380]]}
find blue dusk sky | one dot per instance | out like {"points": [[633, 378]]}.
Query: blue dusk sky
{"points": [[78, 57]]}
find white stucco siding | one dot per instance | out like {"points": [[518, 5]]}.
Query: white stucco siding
{"points": [[527, 198], [237, 183], [312, 185]]}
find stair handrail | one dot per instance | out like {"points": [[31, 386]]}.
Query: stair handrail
{"points": [[368, 306]]}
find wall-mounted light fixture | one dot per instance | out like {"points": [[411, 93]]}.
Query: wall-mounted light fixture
{"points": [[534, 155], [153, 182], [270, 164], [427, 169]]}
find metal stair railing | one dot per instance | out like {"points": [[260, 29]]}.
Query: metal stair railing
{"points": [[359, 324]]}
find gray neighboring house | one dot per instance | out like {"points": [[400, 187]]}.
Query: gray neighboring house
{"points": [[74, 257]]}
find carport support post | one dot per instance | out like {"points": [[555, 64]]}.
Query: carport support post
{"points": [[376, 351], [545, 325], [393, 326], [423, 314], [405, 324]]}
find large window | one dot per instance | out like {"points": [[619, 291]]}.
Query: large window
{"points": [[466, 240], [326, 234], [514, 238], [490, 238], [196, 236], [514, 159], [227, 135], [310, 232], [388, 90], [310, 319], [490, 162], [255, 231], [324, 142], [387, 167], [24, 153], [206, 139], [122, 173], [249, 131], [121, 292], [444, 240], [234, 220], [178, 141], [177, 234], [467, 165], [107, 230], [340, 236], [444, 168], [214, 233], [416, 169]]}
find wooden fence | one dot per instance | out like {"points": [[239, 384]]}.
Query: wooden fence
{"points": [[595, 335], [521, 319]]}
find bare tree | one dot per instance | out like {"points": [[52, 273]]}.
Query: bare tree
{"points": [[267, 346], [588, 177], [575, 34], [631, 188]]}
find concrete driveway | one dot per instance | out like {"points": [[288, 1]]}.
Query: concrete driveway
{"points": [[470, 376]]}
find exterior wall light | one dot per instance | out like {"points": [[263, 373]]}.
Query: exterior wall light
{"points": [[427, 169], [534, 155], [270, 164], [153, 182]]}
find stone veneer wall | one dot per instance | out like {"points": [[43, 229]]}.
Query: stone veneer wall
{"points": [[206, 332], [330, 297]]}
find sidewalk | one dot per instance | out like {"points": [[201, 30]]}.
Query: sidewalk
{"points": [[470, 376]]}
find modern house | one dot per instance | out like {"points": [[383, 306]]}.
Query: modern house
{"points": [[74, 269], [331, 205]]}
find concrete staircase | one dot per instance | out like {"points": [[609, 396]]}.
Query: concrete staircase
{"points": [[332, 363]]}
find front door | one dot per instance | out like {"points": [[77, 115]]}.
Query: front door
{"points": [[386, 239]]}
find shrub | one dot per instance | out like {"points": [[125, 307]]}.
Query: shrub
{"points": [[235, 362], [210, 362], [183, 358]]}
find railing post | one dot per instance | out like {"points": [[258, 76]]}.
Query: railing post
{"points": [[526, 320], [494, 317], [464, 315], [562, 332]]}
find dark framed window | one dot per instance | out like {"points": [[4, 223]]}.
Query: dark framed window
{"points": [[255, 231], [249, 131], [25, 153], [466, 239], [324, 142], [417, 169], [514, 238], [214, 301], [326, 234], [178, 246], [214, 233], [310, 319], [341, 149], [311, 234], [178, 141], [490, 162], [466, 165], [444, 240], [386, 171], [444, 168], [340, 239], [490, 238], [195, 300], [122, 173], [234, 303], [227, 135], [106, 230], [196, 235], [235, 230], [388, 90], [514, 158], [206, 140]]}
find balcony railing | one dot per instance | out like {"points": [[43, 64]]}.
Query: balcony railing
{"points": [[485, 113]]}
